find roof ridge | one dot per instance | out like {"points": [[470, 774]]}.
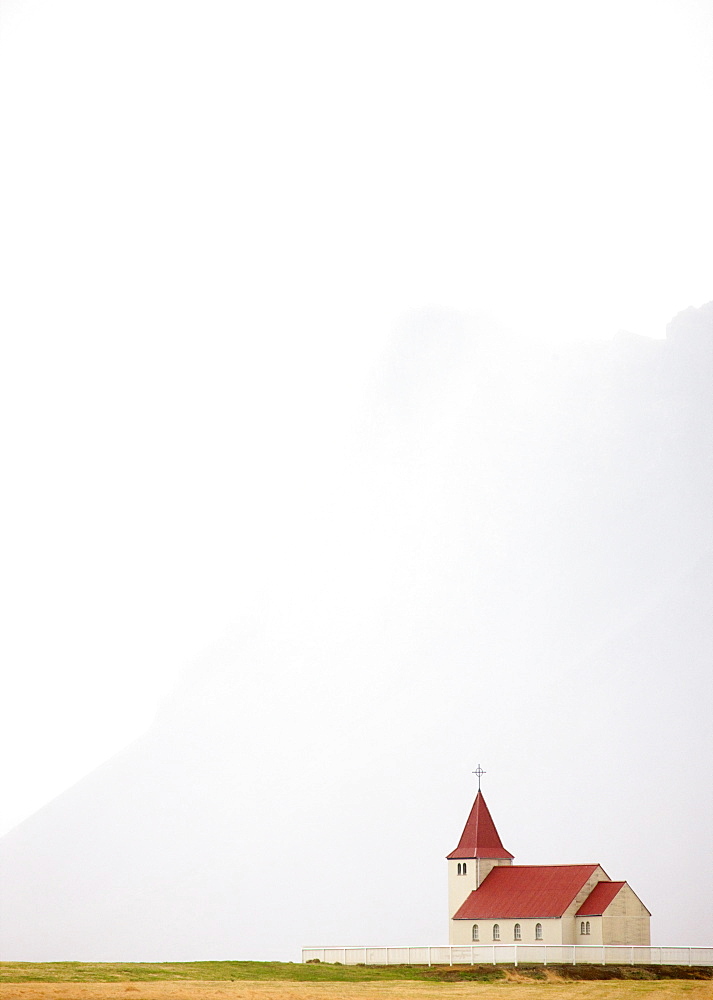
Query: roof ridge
{"points": [[574, 864]]}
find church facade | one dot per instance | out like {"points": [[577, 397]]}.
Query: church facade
{"points": [[492, 901]]}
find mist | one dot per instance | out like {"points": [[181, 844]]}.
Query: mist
{"points": [[355, 389], [511, 564]]}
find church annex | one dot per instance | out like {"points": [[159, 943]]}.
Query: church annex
{"points": [[492, 901]]}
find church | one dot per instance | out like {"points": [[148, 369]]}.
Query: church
{"points": [[492, 901]]}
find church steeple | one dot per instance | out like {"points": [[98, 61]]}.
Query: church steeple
{"points": [[480, 839], [479, 850]]}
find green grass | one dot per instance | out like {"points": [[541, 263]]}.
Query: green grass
{"points": [[112, 972]]}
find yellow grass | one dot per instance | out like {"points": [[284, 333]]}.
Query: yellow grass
{"points": [[509, 989]]}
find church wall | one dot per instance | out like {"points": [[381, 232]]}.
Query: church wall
{"points": [[462, 932], [460, 886], [626, 920], [595, 930]]}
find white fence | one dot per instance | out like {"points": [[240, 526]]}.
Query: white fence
{"points": [[512, 954]]}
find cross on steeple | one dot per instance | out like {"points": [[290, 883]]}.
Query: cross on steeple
{"points": [[479, 771]]}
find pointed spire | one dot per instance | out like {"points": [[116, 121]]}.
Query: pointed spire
{"points": [[480, 839]]}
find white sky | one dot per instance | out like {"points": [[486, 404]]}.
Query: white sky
{"points": [[213, 215]]}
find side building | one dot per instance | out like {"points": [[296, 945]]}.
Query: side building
{"points": [[493, 901]]}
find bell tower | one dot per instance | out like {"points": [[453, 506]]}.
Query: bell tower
{"points": [[479, 850]]}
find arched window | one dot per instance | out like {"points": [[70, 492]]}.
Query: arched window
{"points": [[581, 928], [496, 932], [518, 935], [538, 932], [475, 932], [465, 867], [588, 928], [459, 867]]}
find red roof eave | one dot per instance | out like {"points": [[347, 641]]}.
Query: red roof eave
{"points": [[491, 853]]}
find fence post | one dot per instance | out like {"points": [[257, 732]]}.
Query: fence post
{"points": [[450, 954], [544, 949], [387, 956], [515, 956], [493, 954], [366, 954], [632, 955], [689, 956], [574, 954], [429, 956]]}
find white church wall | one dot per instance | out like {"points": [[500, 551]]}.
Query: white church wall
{"points": [[462, 932], [626, 920], [594, 937], [461, 886]]}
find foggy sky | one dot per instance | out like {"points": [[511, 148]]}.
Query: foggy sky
{"points": [[344, 448], [212, 217], [512, 566]]}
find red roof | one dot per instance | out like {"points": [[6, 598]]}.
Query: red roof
{"points": [[543, 891], [480, 838], [599, 898]]}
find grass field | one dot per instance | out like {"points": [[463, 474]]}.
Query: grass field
{"points": [[395, 990], [148, 972], [293, 981]]}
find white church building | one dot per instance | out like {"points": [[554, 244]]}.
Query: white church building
{"points": [[493, 901]]}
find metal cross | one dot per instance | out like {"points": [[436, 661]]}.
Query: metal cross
{"points": [[479, 771]]}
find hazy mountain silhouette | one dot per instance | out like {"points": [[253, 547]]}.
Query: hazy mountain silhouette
{"points": [[517, 568]]}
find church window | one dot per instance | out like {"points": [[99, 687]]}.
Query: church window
{"points": [[465, 867], [588, 928], [538, 932], [496, 932], [518, 934], [581, 928], [475, 932], [459, 867]]}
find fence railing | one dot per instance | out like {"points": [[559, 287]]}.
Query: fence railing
{"points": [[512, 954]]}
